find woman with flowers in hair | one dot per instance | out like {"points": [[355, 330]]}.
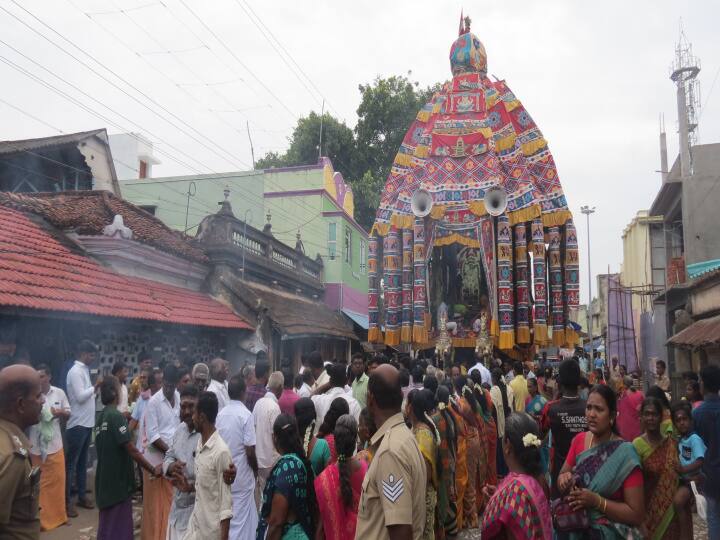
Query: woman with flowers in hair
{"points": [[419, 406], [289, 506], [521, 489], [339, 486], [317, 449]]}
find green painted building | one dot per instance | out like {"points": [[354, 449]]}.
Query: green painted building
{"points": [[311, 204]]}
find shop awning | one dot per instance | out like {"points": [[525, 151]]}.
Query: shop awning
{"points": [[361, 320], [702, 333], [40, 270], [297, 316]]}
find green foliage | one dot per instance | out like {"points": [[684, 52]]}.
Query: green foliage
{"points": [[387, 108]]}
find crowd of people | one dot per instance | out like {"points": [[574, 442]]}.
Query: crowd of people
{"points": [[397, 448]]}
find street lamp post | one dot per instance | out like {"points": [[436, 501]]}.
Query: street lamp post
{"points": [[587, 210]]}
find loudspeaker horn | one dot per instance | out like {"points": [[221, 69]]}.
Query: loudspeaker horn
{"points": [[495, 201], [421, 203]]}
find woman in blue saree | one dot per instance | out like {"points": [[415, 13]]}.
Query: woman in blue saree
{"points": [[289, 508], [602, 474]]}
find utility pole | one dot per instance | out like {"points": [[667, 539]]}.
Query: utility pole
{"points": [[322, 116], [252, 150], [587, 211]]}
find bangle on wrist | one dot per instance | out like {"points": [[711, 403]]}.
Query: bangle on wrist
{"points": [[604, 506]]}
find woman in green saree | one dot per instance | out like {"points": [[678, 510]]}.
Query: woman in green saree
{"points": [[602, 474], [659, 457]]}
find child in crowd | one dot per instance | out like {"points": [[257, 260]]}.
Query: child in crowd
{"points": [[691, 450]]}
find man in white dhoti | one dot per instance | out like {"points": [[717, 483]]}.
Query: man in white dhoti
{"points": [[236, 427]]}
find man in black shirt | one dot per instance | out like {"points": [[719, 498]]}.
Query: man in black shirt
{"points": [[564, 418]]}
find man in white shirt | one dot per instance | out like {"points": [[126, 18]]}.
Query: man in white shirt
{"points": [[180, 461], [265, 412], [81, 396], [307, 382], [237, 428], [218, 381], [161, 418], [337, 380], [47, 452], [210, 518], [484, 372], [120, 372]]}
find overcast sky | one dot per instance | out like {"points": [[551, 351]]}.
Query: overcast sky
{"points": [[594, 76]]}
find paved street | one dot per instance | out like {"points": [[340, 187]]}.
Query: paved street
{"points": [[84, 528]]}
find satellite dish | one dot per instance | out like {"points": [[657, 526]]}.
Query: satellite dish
{"points": [[495, 201], [421, 203]]}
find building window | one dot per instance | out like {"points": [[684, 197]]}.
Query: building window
{"points": [[348, 245], [363, 257], [332, 240], [143, 169], [149, 208]]}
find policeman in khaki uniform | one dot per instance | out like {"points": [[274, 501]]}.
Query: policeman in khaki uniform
{"points": [[392, 503], [21, 401]]}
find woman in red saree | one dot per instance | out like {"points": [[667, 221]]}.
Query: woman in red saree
{"points": [[338, 487]]}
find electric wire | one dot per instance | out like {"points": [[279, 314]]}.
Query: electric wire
{"points": [[109, 81]]}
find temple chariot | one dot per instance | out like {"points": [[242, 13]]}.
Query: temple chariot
{"points": [[473, 246]]}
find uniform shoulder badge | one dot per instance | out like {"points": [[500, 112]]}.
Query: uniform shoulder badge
{"points": [[393, 488], [19, 446]]}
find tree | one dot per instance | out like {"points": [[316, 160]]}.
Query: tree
{"points": [[338, 144], [387, 108]]}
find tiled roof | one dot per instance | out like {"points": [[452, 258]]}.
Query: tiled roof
{"points": [[10, 147], [88, 212], [39, 271], [702, 333]]}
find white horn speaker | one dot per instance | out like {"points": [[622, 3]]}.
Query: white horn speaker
{"points": [[495, 201], [421, 203]]}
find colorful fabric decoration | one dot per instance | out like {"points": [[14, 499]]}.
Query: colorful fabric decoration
{"points": [[540, 331], [487, 245], [471, 136], [556, 287], [374, 332], [572, 281], [506, 309], [408, 279], [522, 294], [393, 275], [420, 310]]}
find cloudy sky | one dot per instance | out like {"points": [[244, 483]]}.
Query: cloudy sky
{"points": [[190, 75]]}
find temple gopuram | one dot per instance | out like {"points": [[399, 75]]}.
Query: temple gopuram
{"points": [[473, 245]]}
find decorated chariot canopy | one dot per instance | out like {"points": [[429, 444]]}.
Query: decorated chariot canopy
{"points": [[473, 234]]}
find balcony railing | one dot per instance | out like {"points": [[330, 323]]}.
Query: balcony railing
{"points": [[275, 253]]}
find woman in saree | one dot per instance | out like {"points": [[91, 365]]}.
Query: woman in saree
{"points": [[317, 450], [535, 401], [666, 425], [521, 488], [461, 470], [338, 487], [602, 474], [338, 407], [487, 470], [446, 514], [534, 407], [659, 458], [289, 507], [467, 405], [420, 404], [501, 401]]}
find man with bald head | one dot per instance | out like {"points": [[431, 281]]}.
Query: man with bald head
{"points": [[21, 402], [218, 381], [391, 504]]}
